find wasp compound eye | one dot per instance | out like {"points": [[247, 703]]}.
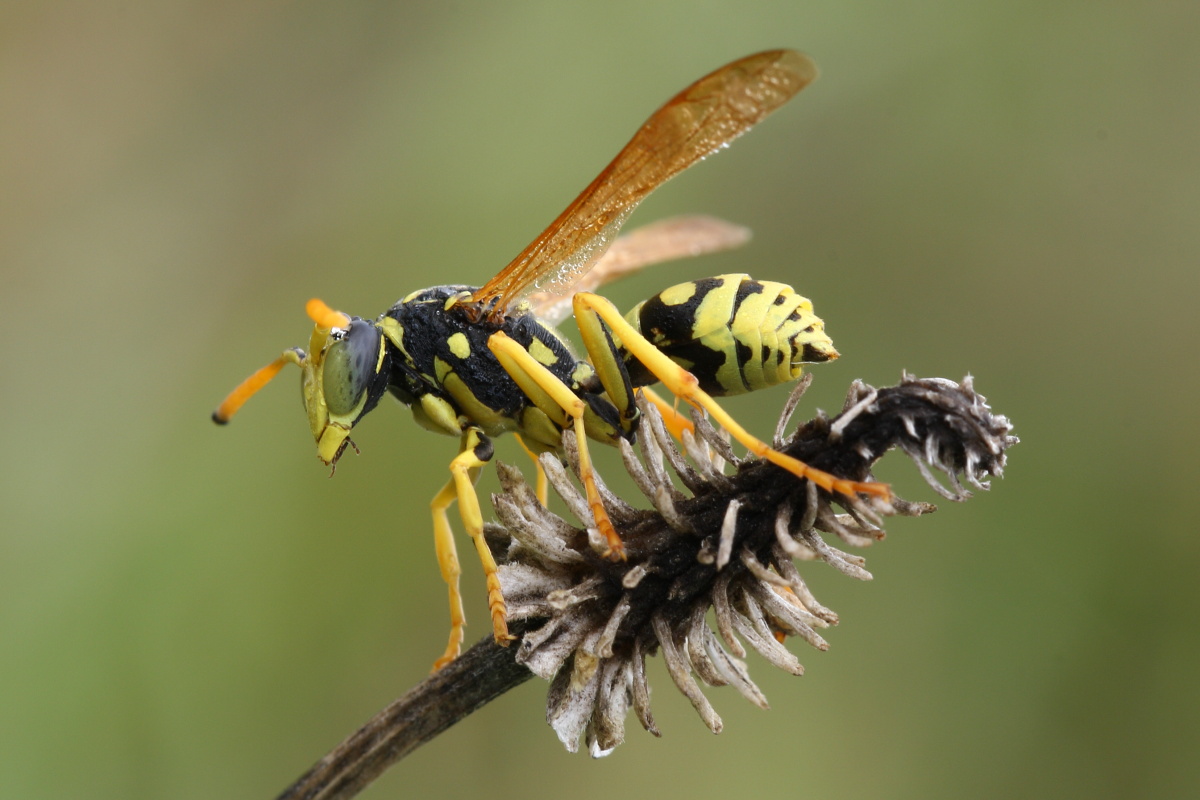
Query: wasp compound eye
{"points": [[350, 364]]}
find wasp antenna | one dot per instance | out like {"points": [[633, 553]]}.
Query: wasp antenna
{"points": [[230, 405], [324, 316]]}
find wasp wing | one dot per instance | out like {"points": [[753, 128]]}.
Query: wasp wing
{"points": [[697, 122], [665, 240]]}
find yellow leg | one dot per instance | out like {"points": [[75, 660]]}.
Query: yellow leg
{"points": [[476, 452], [684, 385], [554, 397], [543, 485], [447, 556], [673, 421]]}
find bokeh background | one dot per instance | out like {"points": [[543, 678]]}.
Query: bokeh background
{"points": [[1008, 189]]}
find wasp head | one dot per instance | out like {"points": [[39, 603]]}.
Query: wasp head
{"points": [[343, 375]]}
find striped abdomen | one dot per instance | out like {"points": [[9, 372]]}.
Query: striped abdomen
{"points": [[735, 334]]}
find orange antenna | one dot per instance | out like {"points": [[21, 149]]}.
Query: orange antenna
{"points": [[324, 316], [230, 405]]}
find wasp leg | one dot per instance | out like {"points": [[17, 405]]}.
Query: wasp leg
{"points": [[476, 452], [558, 402], [673, 421], [610, 368], [543, 485], [684, 385], [447, 556]]}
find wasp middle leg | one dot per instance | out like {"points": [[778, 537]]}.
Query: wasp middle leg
{"points": [[559, 402]]}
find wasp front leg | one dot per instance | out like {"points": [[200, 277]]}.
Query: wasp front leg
{"points": [[561, 404], [476, 451], [591, 309]]}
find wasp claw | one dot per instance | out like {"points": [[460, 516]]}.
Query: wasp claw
{"points": [[616, 552], [852, 488]]}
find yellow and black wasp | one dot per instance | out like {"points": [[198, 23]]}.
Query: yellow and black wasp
{"points": [[478, 362]]}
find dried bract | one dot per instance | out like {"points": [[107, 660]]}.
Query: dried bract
{"points": [[726, 546]]}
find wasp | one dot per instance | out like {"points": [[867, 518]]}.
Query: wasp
{"points": [[477, 362]]}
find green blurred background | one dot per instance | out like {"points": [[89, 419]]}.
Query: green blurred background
{"points": [[1008, 189]]}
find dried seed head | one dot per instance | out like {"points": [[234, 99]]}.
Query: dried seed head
{"points": [[727, 545]]}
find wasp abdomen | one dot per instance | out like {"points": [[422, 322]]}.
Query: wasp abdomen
{"points": [[735, 334]]}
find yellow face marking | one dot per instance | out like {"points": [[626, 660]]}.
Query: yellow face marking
{"points": [[540, 351], [460, 346]]}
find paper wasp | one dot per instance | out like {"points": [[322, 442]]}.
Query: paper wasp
{"points": [[478, 362]]}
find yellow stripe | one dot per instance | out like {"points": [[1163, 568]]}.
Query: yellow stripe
{"points": [[711, 329], [780, 370], [747, 328]]}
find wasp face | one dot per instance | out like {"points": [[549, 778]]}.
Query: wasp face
{"points": [[344, 376]]}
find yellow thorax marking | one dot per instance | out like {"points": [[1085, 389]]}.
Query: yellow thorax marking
{"points": [[542, 353], [459, 345]]}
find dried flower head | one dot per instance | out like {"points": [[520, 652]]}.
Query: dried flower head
{"points": [[728, 544]]}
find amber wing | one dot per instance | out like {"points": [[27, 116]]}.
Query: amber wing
{"points": [[664, 240], [695, 123]]}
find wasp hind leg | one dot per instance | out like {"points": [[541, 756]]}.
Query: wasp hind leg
{"points": [[475, 453], [590, 309], [558, 402], [543, 484], [673, 421]]}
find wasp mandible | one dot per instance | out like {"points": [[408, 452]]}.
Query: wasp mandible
{"points": [[478, 362]]}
